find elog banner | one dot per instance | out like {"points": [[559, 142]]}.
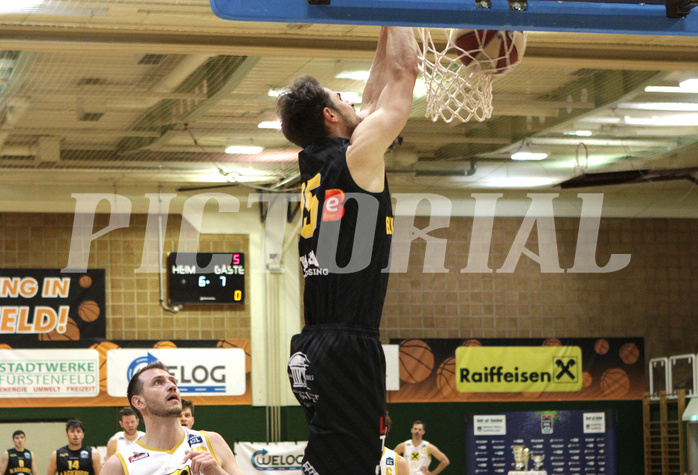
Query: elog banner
{"points": [[200, 371], [279, 457]]}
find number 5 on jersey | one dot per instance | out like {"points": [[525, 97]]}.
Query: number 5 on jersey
{"points": [[310, 206]]}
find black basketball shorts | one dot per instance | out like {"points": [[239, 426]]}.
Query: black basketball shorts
{"points": [[337, 373]]}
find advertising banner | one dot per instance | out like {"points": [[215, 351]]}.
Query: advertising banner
{"points": [[497, 369], [204, 372], [202, 382], [260, 458], [49, 373], [552, 442], [46, 305], [519, 369]]}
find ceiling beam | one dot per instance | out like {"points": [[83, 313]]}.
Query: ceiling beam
{"points": [[103, 40]]}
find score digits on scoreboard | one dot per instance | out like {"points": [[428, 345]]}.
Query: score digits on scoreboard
{"points": [[206, 277]]}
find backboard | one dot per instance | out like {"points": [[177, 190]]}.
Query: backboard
{"points": [[642, 17]]}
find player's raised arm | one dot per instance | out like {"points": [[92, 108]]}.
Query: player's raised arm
{"points": [[376, 80], [377, 131]]}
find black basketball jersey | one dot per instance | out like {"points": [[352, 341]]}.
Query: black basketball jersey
{"points": [[74, 462], [345, 240], [19, 462]]}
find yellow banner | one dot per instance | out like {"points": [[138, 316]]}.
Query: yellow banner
{"points": [[513, 369]]}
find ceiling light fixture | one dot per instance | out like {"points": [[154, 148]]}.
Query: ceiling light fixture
{"points": [[270, 124], [244, 149], [18, 5], [682, 120], [360, 75], [689, 86], [523, 155], [579, 133], [660, 106]]}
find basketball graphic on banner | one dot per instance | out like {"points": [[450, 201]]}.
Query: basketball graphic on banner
{"points": [[102, 348], [72, 333], [601, 346], [165, 344], [242, 344], [614, 383], [629, 353], [89, 311], [446, 377], [552, 342], [416, 361], [472, 342], [587, 379], [85, 281]]}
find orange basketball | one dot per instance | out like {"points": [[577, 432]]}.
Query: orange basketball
{"points": [[103, 348], [497, 51], [446, 377], [4, 346], [164, 344], [72, 332], [587, 379], [614, 383], [243, 344], [88, 310], [601, 346], [629, 353], [416, 361], [472, 342], [85, 281], [552, 342]]}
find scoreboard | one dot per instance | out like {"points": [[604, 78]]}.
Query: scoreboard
{"points": [[206, 277]]}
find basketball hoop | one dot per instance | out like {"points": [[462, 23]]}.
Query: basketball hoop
{"points": [[458, 77]]}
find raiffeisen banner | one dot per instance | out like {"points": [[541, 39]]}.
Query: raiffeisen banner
{"points": [[518, 369], [49, 373]]}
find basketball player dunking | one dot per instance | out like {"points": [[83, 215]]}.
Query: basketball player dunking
{"points": [[337, 366]]}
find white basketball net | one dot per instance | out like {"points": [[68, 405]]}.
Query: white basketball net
{"points": [[456, 90]]}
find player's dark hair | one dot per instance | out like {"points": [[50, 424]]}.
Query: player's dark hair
{"points": [[135, 386], [301, 111], [125, 412], [18, 432], [74, 424], [424, 426], [188, 404]]}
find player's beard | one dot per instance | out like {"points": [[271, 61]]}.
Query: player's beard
{"points": [[351, 121], [164, 411]]}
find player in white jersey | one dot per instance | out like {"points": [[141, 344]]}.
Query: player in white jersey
{"points": [[167, 448], [141, 459], [419, 452], [130, 433], [393, 464]]}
